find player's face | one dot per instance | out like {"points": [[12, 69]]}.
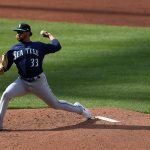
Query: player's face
{"points": [[22, 36]]}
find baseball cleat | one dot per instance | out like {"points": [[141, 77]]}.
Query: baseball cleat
{"points": [[85, 112]]}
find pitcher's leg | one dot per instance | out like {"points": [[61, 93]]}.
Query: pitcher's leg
{"points": [[13, 90], [43, 91], [51, 100]]}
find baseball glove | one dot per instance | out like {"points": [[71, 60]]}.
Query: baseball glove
{"points": [[3, 63]]}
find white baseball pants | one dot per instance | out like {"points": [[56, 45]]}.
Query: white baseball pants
{"points": [[39, 88]]}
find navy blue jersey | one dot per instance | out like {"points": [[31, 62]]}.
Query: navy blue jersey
{"points": [[28, 56]]}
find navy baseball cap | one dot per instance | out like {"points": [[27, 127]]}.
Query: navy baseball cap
{"points": [[24, 28]]}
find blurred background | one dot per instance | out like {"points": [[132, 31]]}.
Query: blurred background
{"points": [[116, 12]]}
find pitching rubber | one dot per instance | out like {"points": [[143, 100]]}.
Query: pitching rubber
{"points": [[104, 118]]}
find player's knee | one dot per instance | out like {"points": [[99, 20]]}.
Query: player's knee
{"points": [[55, 105], [6, 96]]}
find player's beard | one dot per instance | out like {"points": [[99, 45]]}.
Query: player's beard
{"points": [[23, 37], [19, 38]]}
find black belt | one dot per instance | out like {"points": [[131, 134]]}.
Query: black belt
{"points": [[30, 79]]}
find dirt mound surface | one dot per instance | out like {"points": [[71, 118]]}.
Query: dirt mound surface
{"points": [[42, 129]]}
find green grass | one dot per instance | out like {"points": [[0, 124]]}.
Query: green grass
{"points": [[100, 66]]}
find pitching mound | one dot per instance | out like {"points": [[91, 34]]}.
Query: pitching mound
{"points": [[43, 129]]}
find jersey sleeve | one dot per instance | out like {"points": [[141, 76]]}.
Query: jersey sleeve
{"points": [[10, 59], [53, 47]]}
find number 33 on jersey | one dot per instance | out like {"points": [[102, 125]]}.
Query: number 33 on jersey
{"points": [[34, 62]]}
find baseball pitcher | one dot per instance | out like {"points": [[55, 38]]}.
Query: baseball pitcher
{"points": [[28, 57]]}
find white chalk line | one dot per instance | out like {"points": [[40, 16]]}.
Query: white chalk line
{"points": [[106, 119]]}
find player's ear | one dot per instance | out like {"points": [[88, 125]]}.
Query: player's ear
{"points": [[29, 33]]}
